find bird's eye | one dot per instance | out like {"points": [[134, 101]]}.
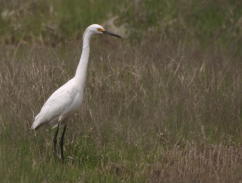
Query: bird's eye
{"points": [[100, 29]]}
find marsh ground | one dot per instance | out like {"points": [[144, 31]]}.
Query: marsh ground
{"points": [[164, 106]]}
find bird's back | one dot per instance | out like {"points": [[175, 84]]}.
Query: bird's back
{"points": [[64, 100]]}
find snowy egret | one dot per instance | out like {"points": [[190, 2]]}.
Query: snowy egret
{"points": [[69, 96]]}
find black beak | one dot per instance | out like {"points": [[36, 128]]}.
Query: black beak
{"points": [[111, 34]]}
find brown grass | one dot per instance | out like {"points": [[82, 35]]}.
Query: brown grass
{"points": [[206, 163], [171, 111]]}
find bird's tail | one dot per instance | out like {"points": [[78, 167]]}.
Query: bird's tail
{"points": [[36, 124]]}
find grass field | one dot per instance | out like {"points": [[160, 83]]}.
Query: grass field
{"points": [[166, 113], [162, 105]]}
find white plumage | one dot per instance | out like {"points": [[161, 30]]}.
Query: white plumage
{"points": [[64, 100], [68, 97]]}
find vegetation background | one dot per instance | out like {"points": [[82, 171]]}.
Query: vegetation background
{"points": [[161, 105]]}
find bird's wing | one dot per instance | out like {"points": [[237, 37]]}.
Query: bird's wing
{"points": [[56, 104]]}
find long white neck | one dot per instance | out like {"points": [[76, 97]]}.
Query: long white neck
{"points": [[81, 70]]}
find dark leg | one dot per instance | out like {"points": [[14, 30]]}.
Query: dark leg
{"points": [[62, 142], [55, 140]]}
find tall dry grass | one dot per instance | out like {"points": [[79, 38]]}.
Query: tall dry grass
{"points": [[160, 111]]}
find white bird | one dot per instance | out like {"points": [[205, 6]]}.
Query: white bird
{"points": [[68, 97]]}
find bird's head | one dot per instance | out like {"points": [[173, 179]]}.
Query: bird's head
{"points": [[98, 29]]}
